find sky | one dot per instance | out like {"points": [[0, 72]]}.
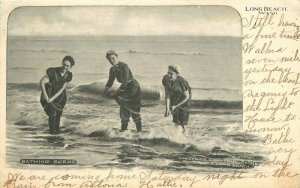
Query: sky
{"points": [[125, 21]]}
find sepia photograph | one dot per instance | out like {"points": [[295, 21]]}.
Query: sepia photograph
{"points": [[152, 87]]}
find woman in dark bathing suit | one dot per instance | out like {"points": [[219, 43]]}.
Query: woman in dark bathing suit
{"points": [[177, 96], [128, 95], [53, 97]]}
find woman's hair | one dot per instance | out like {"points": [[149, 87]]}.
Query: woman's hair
{"points": [[175, 68], [111, 52], [70, 59]]}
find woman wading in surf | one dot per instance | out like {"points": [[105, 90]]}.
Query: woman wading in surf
{"points": [[128, 95], [53, 97], [177, 96]]}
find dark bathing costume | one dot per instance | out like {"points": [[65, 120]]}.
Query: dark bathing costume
{"points": [[176, 90], [129, 96], [54, 109]]}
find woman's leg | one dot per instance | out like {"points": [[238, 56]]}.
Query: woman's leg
{"points": [[175, 115], [183, 128], [138, 121], [51, 122], [124, 115], [57, 123], [183, 118]]}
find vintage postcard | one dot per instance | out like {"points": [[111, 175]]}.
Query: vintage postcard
{"points": [[149, 94]]}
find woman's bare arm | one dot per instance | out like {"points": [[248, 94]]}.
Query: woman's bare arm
{"points": [[187, 96], [43, 81], [167, 102], [58, 93]]}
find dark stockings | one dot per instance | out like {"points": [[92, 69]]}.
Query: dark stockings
{"points": [[54, 122]]}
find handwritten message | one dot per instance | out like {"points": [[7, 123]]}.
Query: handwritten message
{"points": [[111, 178], [271, 82]]}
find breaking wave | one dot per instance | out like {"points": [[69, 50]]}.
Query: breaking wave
{"points": [[94, 93]]}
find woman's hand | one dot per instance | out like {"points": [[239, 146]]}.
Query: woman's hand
{"points": [[58, 93], [173, 107], [113, 94], [167, 112], [104, 94], [106, 91], [46, 98]]}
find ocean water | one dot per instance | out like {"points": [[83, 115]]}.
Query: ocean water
{"points": [[90, 122], [212, 65]]}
